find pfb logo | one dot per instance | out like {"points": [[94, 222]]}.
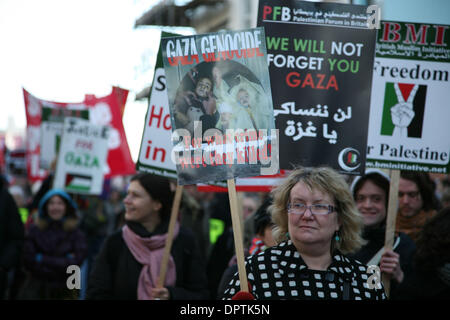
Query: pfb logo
{"points": [[349, 159], [276, 13]]}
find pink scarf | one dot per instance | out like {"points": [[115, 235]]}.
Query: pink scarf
{"points": [[149, 253]]}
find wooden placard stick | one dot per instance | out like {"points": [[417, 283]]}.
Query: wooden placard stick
{"points": [[169, 240], [237, 233], [240, 206], [390, 222]]}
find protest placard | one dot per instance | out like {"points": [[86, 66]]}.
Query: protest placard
{"points": [[321, 55], [408, 116], [82, 157], [220, 106], [52, 123], [408, 128]]}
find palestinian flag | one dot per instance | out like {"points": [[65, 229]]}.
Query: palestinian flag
{"points": [[78, 182]]}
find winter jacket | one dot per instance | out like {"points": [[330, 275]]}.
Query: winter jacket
{"points": [[116, 272], [49, 252], [413, 225]]}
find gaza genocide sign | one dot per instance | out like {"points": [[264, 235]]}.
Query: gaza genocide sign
{"points": [[409, 113], [214, 47], [220, 106]]}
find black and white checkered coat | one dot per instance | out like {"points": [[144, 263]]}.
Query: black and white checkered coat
{"points": [[280, 273]]}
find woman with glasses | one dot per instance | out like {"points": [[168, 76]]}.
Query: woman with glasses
{"points": [[317, 224], [128, 265]]}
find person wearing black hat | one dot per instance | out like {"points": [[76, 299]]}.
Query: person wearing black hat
{"points": [[128, 265]]}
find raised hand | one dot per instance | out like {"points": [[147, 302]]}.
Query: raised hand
{"points": [[402, 114]]}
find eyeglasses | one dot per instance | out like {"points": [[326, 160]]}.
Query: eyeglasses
{"points": [[412, 194], [316, 209]]}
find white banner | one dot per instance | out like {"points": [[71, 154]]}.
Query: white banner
{"points": [[156, 144], [82, 157]]}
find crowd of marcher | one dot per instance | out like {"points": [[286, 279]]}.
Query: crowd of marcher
{"points": [[313, 237]]}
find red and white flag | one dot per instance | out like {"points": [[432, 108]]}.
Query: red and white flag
{"points": [[106, 110]]}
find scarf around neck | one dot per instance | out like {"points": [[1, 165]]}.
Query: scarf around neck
{"points": [[149, 251]]}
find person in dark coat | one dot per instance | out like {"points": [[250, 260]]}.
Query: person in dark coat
{"points": [[417, 202], [53, 243], [371, 194], [11, 236], [430, 275], [128, 265]]}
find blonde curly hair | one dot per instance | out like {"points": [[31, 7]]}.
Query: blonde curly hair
{"points": [[327, 181]]}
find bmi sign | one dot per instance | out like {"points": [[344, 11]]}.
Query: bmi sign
{"points": [[220, 106], [82, 156], [409, 114]]}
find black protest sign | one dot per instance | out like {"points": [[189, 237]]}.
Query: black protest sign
{"points": [[320, 63]]}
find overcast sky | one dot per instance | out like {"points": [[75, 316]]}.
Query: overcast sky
{"points": [[62, 50]]}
